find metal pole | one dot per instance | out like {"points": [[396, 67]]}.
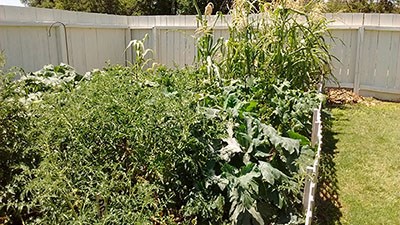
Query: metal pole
{"points": [[65, 36]]}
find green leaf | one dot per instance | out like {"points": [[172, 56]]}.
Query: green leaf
{"points": [[211, 113], [231, 101], [290, 145], [269, 173], [232, 146], [256, 215], [250, 106], [220, 181], [303, 139], [247, 168]]}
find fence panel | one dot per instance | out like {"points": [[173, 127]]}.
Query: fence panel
{"points": [[383, 53], [394, 62], [344, 47], [28, 46]]}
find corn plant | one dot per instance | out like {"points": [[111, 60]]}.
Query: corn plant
{"points": [[273, 41], [140, 52], [298, 52]]}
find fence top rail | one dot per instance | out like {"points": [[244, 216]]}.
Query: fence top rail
{"points": [[49, 23], [172, 27]]}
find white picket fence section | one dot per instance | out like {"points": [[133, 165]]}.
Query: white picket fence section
{"points": [[310, 187], [367, 45]]}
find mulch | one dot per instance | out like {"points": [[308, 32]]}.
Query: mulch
{"points": [[341, 96]]}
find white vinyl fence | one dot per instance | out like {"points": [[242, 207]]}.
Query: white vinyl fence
{"points": [[367, 45], [311, 181]]}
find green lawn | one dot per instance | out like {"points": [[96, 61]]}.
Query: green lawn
{"points": [[360, 178]]}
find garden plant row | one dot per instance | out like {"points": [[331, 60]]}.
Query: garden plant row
{"points": [[224, 141]]}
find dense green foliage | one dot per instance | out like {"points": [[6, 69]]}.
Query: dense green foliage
{"points": [[18, 91], [154, 148], [363, 6], [186, 7], [222, 142], [131, 7]]}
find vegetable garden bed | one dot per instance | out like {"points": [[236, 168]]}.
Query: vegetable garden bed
{"points": [[224, 141]]}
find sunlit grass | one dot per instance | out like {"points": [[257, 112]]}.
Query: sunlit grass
{"points": [[368, 163]]}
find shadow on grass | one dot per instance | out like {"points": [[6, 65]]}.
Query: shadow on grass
{"points": [[327, 210]]}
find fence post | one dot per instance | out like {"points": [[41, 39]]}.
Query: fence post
{"points": [[63, 45], [307, 186], [360, 42], [312, 171], [128, 52], [155, 44], [315, 128]]}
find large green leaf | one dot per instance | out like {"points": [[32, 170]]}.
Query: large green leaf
{"points": [[232, 145], [303, 139], [269, 173]]}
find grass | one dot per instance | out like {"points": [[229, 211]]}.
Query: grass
{"points": [[360, 178]]}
